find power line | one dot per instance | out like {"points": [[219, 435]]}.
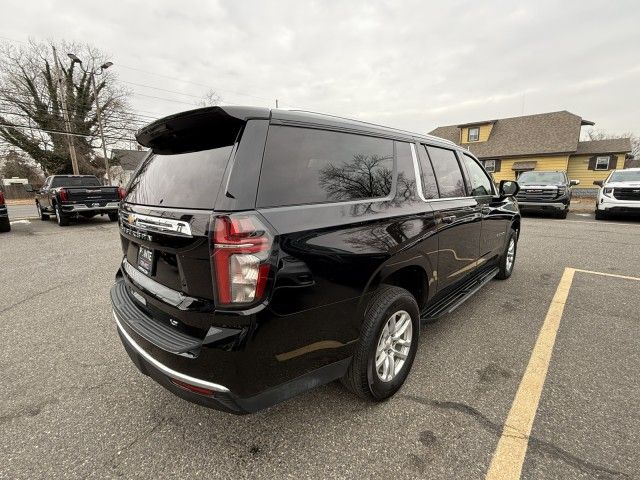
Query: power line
{"points": [[61, 132], [193, 83]]}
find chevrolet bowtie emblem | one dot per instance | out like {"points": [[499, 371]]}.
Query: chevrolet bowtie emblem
{"points": [[131, 218]]}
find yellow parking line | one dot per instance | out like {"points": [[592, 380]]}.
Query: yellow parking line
{"points": [[509, 455]]}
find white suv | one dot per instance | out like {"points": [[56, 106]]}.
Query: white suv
{"points": [[619, 193]]}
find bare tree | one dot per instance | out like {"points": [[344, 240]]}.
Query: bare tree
{"points": [[31, 110], [209, 99], [16, 165], [596, 134]]}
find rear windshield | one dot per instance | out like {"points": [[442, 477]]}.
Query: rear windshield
{"points": [[628, 176], [188, 180], [74, 182], [540, 178]]}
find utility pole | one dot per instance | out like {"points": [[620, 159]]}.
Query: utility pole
{"points": [[65, 115], [93, 74], [99, 114], [276, 103]]}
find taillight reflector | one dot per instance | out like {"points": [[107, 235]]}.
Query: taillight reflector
{"points": [[192, 388], [241, 246], [1, 198], [64, 195], [122, 192]]}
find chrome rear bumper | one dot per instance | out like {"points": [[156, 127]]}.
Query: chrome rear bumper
{"points": [[81, 207]]}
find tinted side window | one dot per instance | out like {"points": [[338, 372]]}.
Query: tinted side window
{"points": [[427, 177], [480, 182], [448, 173], [303, 165]]}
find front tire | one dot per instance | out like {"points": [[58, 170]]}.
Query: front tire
{"points": [[387, 346], [563, 213], [61, 218], [601, 215], [508, 260], [5, 225]]}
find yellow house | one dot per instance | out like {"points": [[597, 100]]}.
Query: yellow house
{"points": [[546, 141]]}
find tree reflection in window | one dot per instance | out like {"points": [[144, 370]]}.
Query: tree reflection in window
{"points": [[367, 176]]}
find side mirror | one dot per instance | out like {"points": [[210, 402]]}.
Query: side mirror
{"points": [[574, 182], [598, 182], [29, 188], [508, 188]]}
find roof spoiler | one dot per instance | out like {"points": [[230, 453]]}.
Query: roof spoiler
{"points": [[194, 130]]}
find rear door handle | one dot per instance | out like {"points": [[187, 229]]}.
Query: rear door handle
{"points": [[448, 219]]}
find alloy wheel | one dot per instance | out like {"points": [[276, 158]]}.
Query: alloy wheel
{"points": [[511, 255], [394, 345]]}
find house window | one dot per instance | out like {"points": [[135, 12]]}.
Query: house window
{"points": [[602, 163], [473, 134], [490, 166]]}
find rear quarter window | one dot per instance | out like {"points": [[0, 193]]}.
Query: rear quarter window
{"points": [[303, 165]]}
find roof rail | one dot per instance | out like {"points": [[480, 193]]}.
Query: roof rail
{"points": [[444, 140]]}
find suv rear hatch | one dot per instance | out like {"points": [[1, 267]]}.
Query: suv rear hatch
{"points": [[166, 216]]}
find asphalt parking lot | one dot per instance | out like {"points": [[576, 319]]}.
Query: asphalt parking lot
{"points": [[73, 405]]}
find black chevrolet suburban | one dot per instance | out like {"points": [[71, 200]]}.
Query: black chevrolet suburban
{"points": [[267, 252]]}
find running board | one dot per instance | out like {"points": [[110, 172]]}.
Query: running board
{"points": [[453, 300]]}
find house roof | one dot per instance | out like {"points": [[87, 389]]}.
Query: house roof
{"points": [[613, 145], [128, 159], [540, 134]]}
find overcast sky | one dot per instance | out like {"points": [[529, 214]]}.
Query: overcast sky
{"points": [[412, 65]]}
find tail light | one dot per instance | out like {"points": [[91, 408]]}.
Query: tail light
{"points": [[240, 250], [1, 198], [122, 192], [64, 195]]}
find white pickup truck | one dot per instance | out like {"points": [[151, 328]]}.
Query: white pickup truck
{"points": [[619, 193]]}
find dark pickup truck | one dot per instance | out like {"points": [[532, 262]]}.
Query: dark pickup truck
{"points": [[68, 196], [545, 192]]}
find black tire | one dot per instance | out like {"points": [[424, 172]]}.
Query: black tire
{"points": [[61, 218], [562, 213], [506, 269], [361, 377], [43, 216], [113, 216], [601, 215], [5, 225]]}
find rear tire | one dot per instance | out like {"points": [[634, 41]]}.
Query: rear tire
{"points": [[43, 216], [61, 218], [508, 260], [389, 339], [5, 225], [113, 216]]}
